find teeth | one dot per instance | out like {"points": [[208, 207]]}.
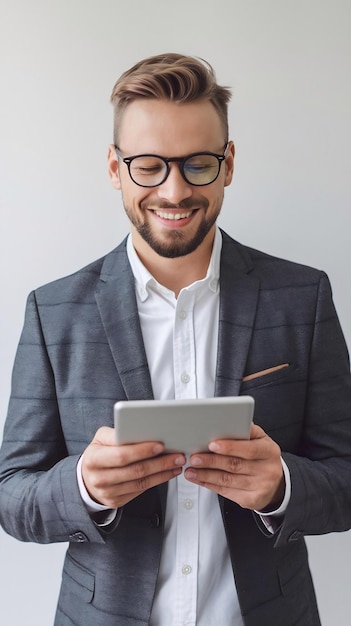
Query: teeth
{"points": [[173, 216]]}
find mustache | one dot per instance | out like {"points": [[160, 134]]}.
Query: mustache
{"points": [[188, 204]]}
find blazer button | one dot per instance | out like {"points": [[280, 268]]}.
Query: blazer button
{"points": [[155, 520], [78, 537]]}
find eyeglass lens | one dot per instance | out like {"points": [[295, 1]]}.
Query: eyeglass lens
{"points": [[150, 171]]}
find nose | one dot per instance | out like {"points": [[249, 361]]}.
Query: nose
{"points": [[174, 188]]}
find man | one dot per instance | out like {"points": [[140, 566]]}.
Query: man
{"points": [[179, 310]]}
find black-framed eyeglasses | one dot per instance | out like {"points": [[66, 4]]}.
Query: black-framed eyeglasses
{"points": [[151, 170]]}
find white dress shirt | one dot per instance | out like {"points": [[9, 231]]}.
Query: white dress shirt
{"points": [[195, 583]]}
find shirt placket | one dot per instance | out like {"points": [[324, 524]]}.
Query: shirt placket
{"points": [[184, 365], [184, 356]]}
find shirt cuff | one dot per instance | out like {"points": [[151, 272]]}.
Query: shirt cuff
{"points": [[92, 506], [268, 517]]}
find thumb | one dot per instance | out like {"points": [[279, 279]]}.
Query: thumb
{"points": [[105, 436], [256, 432]]}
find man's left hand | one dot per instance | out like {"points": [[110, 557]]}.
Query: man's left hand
{"points": [[248, 472]]}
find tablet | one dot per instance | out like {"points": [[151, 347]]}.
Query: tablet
{"points": [[183, 425]]}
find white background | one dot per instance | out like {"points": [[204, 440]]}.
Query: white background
{"points": [[288, 63]]}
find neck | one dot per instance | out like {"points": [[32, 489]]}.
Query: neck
{"points": [[177, 273]]}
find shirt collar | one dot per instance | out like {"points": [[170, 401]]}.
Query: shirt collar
{"points": [[144, 280]]}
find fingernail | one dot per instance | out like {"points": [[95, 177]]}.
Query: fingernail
{"points": [[196, 461], [158, 448], [214, 447], [180, 460], [190, 473]]}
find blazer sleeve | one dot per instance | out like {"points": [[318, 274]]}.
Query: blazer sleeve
{"points": [[39, 494], [321, 471]]}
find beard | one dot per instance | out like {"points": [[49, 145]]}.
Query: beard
{"points": [[175, 243]]}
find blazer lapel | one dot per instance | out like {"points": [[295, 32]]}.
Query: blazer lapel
{"points": [[238, 303], [115, 297]]}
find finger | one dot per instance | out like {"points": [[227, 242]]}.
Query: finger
{"points": [[105, 436], [239, 488], [260, 447], [139, 485], [106, 455], [130, 454], [115, 496], [219, 480], [256, 432], [221, 462], [142, 469]]}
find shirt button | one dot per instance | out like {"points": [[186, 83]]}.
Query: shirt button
{"points": [[188, 504], [186, 569], [182, 315], [185, 378]]}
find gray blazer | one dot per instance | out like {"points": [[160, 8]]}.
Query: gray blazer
{"points": [[81, 350]]}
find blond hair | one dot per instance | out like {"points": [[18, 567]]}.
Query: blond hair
{"points": [[172, 77]]}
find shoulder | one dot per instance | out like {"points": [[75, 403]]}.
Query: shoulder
{"points": [[81, 285], [272, 271]]}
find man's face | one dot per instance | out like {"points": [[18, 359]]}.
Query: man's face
{"points": [[175, 217]]}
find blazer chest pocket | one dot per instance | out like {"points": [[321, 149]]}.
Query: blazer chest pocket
{"points": [[78, 580], [269, 376]]}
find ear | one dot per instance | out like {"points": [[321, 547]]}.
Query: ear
{"points": [[113, 168], [229, 163]]}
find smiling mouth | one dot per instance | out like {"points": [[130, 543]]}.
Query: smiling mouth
{"points": [[174, 216]]}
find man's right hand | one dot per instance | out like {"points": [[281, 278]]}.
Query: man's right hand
{"points": [[113, 474]]}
